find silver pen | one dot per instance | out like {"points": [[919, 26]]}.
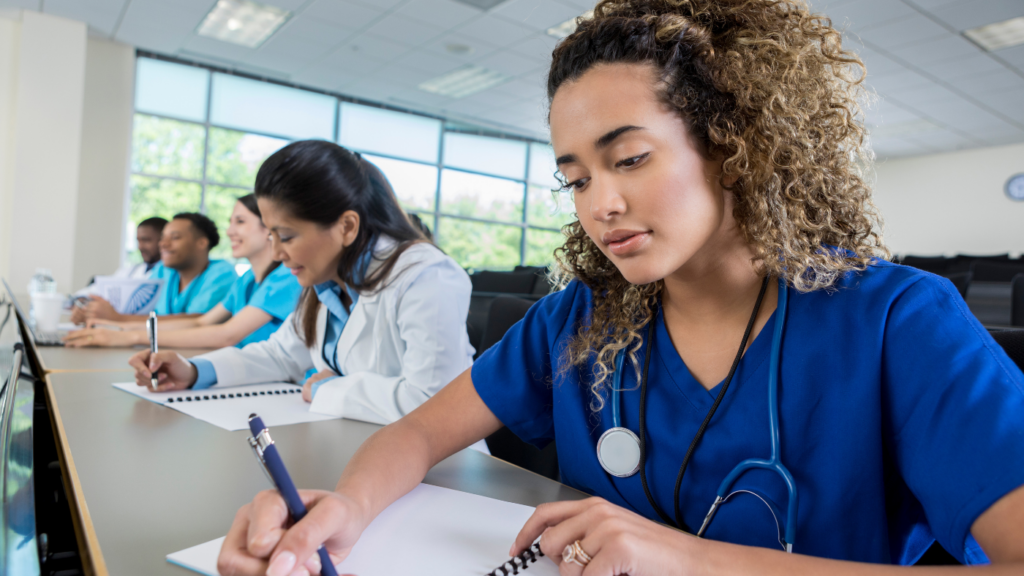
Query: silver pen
{"points": [[153, 348]]}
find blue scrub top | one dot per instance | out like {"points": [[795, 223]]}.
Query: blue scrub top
{"points": [[277, 295], [900, 418], [201, 295]]}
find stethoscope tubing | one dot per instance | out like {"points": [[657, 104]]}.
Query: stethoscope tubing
{"points": [[774, 463]]}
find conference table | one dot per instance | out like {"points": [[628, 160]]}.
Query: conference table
{"points": [[145, 480]]}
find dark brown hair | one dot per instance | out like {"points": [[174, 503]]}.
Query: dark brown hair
{"points": [[249, 202], [318, 181]]}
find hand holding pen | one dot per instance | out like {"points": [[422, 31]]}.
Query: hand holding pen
{"points": [[153, 348]]}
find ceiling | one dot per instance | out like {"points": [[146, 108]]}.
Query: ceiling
{"points": [[936, 90]]}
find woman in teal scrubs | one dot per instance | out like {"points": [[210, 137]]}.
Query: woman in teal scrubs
{"points": [[725, 241], [255, 306]]}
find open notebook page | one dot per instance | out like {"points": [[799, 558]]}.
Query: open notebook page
{"points": [[430, 531], [278, 404]]}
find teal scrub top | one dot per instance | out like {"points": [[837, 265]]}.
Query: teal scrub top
{"points": [[201, 295], [277, 295]]}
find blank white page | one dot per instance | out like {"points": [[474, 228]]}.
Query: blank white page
{"points": [[430, 531], [277, 404]]}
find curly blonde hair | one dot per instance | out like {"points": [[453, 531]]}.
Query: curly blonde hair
{"points": [[765, 85]]}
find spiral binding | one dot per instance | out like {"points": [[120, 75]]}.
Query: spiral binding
{"points": [[518, 562], [224, 396]]}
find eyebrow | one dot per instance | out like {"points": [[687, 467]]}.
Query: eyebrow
{"points": [[600, 143]]}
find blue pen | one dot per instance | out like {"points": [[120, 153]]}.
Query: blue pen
{"points": [[272, 464]]}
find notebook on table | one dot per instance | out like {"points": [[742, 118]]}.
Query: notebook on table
{"points": [[229, 407], [431, 531]]}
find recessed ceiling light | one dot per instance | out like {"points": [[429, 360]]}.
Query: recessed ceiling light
{"points": [[569, 26], [242, 22], [464, 81], [999, 35]]}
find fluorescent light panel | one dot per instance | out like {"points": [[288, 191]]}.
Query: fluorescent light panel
{"points": [[242, 22], [569, 26], [464, 81], [999, 35]]}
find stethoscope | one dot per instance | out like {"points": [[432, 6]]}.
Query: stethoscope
{"points": [[622, 453]]}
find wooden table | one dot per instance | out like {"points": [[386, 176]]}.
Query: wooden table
{"points": [[61, 359], [146, 480]]}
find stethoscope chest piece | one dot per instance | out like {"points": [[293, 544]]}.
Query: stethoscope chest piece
{"points": [[618, 451]]}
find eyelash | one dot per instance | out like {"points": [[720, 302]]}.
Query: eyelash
{"points": [[577, 184]]}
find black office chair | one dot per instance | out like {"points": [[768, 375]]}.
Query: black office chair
{"points": [[934, 264], [505, 282], [962, 281], [1017, 300], [1012, 342], [506, 311], [985, 271]]}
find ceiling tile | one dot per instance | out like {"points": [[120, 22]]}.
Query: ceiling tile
{"points": [[183, 15], [212, 47], [581, 5], [101, 15], [892, 83], [509, 63], [305, 29], [345, 61], [937, 50], [886, 113], [965, 15], [902, 31], [28, 4], [1014, 56], [404, 76], [495, 31], [405, 30], [861, 14], [539, 47], [379, 4], [536, 14], [926, 94], [375, 46], [429, 63], [347, 14], [289, 5], [960, 69], [878, 64], [442, 13], [477, 48], [993, 82], [933, 4]]}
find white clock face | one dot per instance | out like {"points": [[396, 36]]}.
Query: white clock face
{"points": [[1015, 187]]}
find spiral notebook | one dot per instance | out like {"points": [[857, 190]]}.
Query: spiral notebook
{"points": [[278, 404], [430, 531]]}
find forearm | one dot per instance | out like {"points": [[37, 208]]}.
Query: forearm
{"points": [[387, 466], [176, 322], [723, 559]]}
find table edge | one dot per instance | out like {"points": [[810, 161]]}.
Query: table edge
{"points": [[88, 543]]}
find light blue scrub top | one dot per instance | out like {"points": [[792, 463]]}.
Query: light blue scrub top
{"points": [[201, 295], [277, 295], [900, 418]]}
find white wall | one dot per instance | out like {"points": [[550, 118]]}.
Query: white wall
{"points": [[106, 154], [65, 136], [952, 203]]}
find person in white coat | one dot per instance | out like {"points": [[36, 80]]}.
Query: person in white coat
{"points": [[382, 317]]}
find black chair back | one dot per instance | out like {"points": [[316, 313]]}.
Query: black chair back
{"points": [[506, 311], [1012, 342], [1017, 300], [506, 282], [934, 264], [985, 271]]}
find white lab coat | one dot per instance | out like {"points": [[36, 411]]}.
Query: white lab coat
{"points": [[400, 346]]}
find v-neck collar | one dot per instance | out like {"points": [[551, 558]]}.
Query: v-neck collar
{"points": [[700, 397]]}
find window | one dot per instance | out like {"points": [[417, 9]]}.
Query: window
{"points": [[200, 138]]}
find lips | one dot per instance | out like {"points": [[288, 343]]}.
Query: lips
{"points": [[624, 242]]}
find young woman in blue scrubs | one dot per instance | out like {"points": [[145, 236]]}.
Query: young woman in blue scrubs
{"points": [[254, 308], [727, 246]]}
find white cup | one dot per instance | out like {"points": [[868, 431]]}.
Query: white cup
{"points": [[46, 309]]}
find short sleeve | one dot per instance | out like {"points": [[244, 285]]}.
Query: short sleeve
{"points": [[514, 377], [278, 294], [221, 278], [235, 300], [163, 300], [955, 406]]}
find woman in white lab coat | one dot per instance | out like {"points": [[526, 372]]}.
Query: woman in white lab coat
{"points": [[381, 323]]}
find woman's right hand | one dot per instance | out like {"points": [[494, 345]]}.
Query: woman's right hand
{"points": [[173, 371], [259, 543]]}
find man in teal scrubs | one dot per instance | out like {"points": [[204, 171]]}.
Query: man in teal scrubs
{"points": [[193, 283]]}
